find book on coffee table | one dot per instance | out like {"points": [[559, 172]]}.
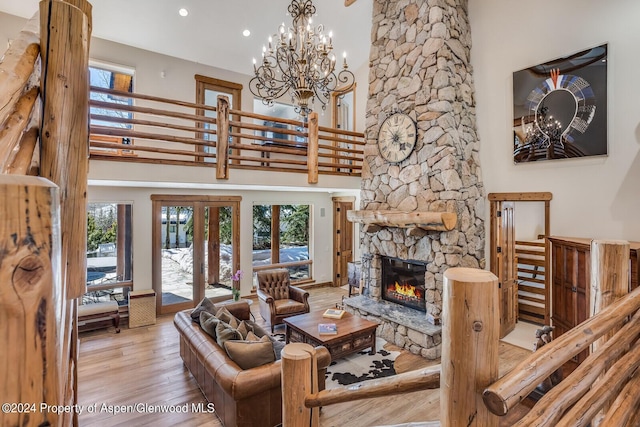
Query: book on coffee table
{"points": [[333, 313], [327, 329]]}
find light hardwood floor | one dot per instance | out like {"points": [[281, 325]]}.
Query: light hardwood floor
{"points": [[143, 366]]}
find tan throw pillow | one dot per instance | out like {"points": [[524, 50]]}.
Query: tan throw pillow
{"points": [[244, 328], [249, 354], [208, 323], [203, 306], [252, 337], [257, 329], [224, 333], [224, 315]]}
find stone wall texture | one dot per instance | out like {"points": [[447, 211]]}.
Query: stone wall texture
{"points": [[420, 65]]}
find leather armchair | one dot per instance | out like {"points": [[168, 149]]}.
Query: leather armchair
{"points": [[278, 299]]}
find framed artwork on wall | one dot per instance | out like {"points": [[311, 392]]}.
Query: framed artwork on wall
{"points": [[560, 108]]}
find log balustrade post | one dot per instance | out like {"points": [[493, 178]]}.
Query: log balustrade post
{"points": [[30, 300], [222, 140], [64, 48], [298, 366], [471, 328], [609, 278], [312, 149], [609, 282]]}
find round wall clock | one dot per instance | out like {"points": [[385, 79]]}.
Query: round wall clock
{"points": [[397, 137]]}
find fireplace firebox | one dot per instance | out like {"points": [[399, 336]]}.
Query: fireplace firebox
{"points": [[403, 282]]}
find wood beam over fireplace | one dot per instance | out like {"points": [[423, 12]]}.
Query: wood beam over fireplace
{"points": [[425, 220]]}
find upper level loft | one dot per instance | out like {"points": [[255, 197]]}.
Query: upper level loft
{"points": [[143, 129]]}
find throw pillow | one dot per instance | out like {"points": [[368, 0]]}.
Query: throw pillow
{"points": [[204, 305], [251, 337], [277, 347], [224, 315], [257, 329], [208, 323], [244, 328], [224, 333], [249, 354]]}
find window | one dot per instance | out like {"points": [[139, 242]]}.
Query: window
{"points": [[343, 106], [109, 76], [281, 239], [109, 252], [118, 78]]}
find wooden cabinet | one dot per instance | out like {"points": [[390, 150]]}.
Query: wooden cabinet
{"points": [[571, 279]]}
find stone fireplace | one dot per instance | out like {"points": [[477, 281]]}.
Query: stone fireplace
{"points": [[419, 65]]}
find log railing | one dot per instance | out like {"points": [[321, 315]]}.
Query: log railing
{"points": [[469, 361], [148, 129], [43, 233], [606, 375], [604, 389], [19, 100]]}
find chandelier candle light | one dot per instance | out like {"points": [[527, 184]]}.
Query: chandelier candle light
{"points": [[299, 60]]}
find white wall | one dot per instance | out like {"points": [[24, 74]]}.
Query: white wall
{"points": [[592, 197], [529, 220]]}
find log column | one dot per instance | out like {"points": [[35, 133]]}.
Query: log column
{"points": [[65, 34], [298, 365], [30, 299], [471, 328]]}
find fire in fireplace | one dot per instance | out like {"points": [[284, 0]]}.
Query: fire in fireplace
{"points": [[403, 282]]}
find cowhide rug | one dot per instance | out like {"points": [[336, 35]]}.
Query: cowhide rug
{"points": [[361, 366]]}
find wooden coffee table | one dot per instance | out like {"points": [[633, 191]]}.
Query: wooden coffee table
{"points": [[354, 333]]}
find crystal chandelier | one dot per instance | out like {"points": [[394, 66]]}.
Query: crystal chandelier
{"points": [[299, 60]]}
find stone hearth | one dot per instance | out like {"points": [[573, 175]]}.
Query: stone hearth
{"points": [[405, 327], [420, 66]]}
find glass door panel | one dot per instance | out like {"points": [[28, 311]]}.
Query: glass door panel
{"points": [[218, 252], [176, 243], [196, 249]]}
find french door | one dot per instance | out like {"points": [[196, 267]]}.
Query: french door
{"points": [[342, 240], [196, 249]]}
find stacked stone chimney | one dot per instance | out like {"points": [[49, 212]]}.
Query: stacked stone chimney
{"points": [[420, 65]]}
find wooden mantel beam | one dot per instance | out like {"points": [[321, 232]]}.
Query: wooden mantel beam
{"points": [[348, 3], [425, 220]]}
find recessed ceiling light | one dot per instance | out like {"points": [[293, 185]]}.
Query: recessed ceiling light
{"points": [[246, 33], [183, 12]]}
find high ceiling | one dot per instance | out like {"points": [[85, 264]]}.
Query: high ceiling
{"points": [[212, 32]]}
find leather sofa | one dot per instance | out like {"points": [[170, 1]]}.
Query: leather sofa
{"points": [[251, 397]]}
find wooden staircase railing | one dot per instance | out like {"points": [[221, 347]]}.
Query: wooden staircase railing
{"points": [[604, 389], [532, 301], [43, 232], [607, 370]]}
